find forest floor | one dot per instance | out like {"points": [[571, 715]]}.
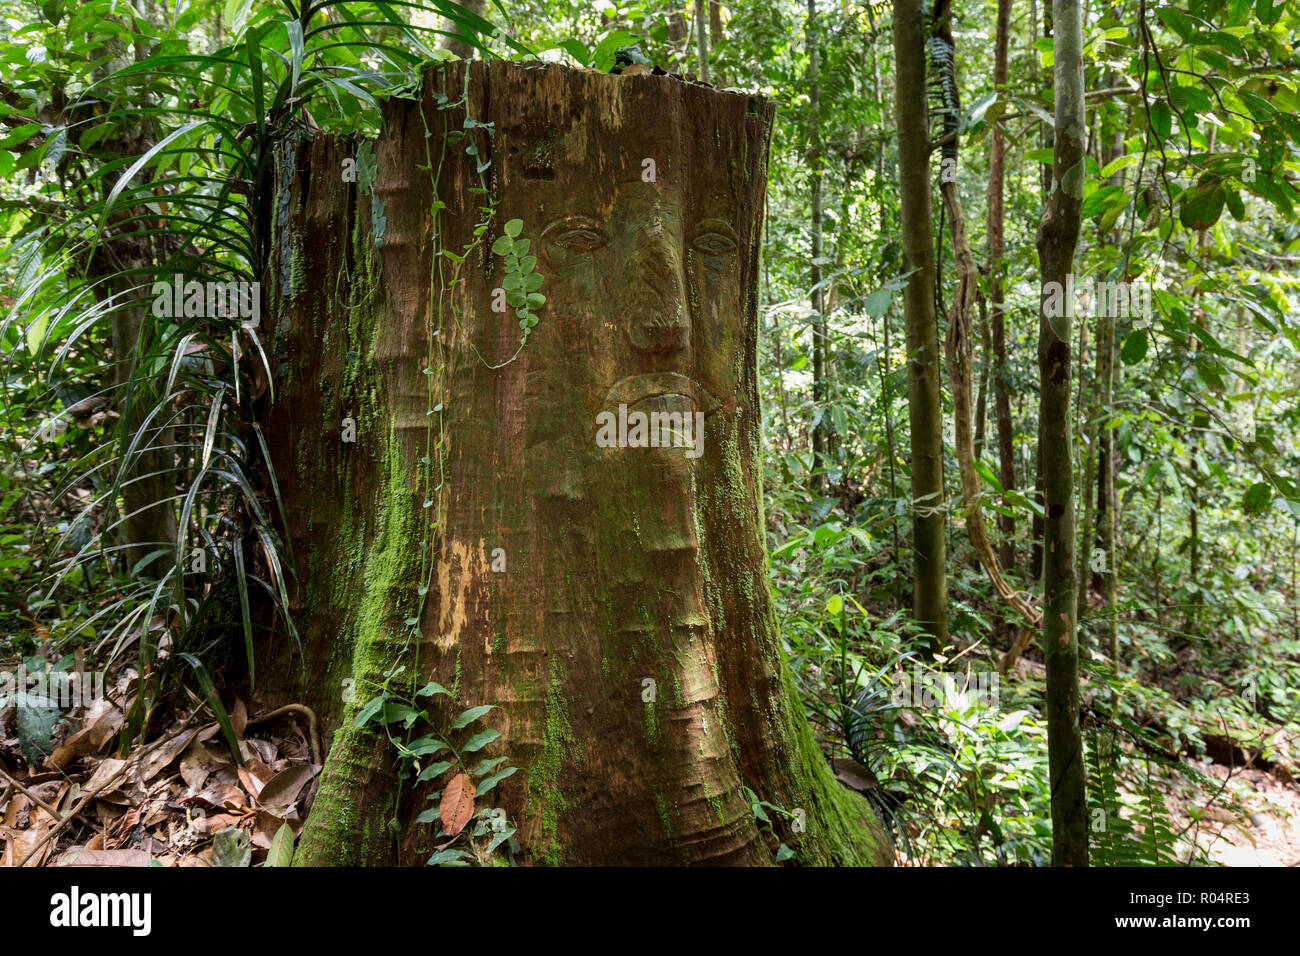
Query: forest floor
{"points": [[1269, 835]]}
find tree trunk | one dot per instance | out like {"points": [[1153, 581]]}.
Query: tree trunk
{"points": [[702, 39], [715, 38], [452, 31], [929, 584], [1087, 532], [817, 297], [1046, 140], [986, 350], [1057, 235], [611, 602], [997, 298], [1107, 500]]}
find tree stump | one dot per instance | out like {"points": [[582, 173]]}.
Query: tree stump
{"points": [[493, 517]]}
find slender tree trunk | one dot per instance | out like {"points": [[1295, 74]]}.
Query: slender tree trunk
{"points": [[997, 297], [1107, 499], [1046, 137], [612, 603], [986, 355], [929, 582], [679, 42], [148, 520], [1036, 554], [886, 361], [1057, 235], [147, 516], [715, 38], [958, 349], [1193, 434], [1090, 467], [1096, 473], [702, 39], [454, 43], [817, 297]]}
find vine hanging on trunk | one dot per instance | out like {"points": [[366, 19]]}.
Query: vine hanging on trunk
{"points": [[957, 344]]}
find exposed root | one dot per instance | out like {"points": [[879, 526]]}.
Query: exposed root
{"points": [[313, 727]]}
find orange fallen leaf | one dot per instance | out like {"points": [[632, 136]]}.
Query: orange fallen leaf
{"points": [[457, 804]]}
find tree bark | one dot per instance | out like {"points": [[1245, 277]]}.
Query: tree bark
{"points": [[1058, 234], [1100, 467], [929, 583], [702, 39], [1107, 500], [1046, 139], [611, 602], [1089, 485], [451, 40], [715, 38], [997, 296], [817, 297]]}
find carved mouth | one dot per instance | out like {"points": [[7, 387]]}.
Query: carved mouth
{"points": [[661, 391]]}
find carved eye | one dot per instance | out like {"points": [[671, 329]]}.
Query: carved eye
{"points": [[579, 240], [574, 236], [715, 238]]}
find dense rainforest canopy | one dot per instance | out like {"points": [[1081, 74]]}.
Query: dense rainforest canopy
{"points": [[973, 536]]}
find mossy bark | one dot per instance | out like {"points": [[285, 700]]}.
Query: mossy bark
{"points": [[1058, 233], [924, 388], [549, 576]]}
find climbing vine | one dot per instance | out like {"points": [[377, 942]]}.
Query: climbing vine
{"points": [[391, 708]]}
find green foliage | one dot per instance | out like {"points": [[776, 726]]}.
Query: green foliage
{"points": [[150, 148], [138, 147], [522, 281], [280, 852], [1144, 836], [767, 826], [413, 732]]}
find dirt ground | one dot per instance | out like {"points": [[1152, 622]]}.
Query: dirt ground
{"points": [[1267, 835]]}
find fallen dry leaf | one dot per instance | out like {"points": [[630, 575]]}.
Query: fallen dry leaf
{"points": [[215, 822], [853, 775], [161, 757], [284, 787], [16, 810], [104, 773], [255, 749], [102, 721], [219, 797], [18, 843], [84, 857], [255, 775], [266, 825], [457, 804], [239, 718]]}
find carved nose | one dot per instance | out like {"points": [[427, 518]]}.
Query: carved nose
{"points": [[660, 320]]}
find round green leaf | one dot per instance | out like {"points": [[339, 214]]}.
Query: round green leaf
{"points": [[1257, 498]]}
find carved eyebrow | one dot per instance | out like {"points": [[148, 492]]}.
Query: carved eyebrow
{"points": [[720, 226], [573, 222]]}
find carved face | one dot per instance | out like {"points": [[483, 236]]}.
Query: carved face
{"points": [[645, 281], [642, 276]]}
